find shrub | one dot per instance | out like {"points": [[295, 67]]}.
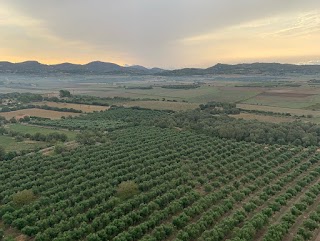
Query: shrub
{"points": [[59, 148], [127, 189], [23, 197]]}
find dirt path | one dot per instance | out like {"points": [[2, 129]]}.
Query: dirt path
{"points": [[316, 237], [12, 232]]}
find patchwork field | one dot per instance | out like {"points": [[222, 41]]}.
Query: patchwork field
{"points": [[199, 95], [38, 113]]}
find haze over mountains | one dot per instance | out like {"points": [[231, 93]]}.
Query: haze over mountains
{"points": [[98, 67]]}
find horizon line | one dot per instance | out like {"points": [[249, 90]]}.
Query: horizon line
{"points": [[310, 63]]}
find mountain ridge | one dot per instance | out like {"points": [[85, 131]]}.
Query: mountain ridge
{"points": [[99, 67]]}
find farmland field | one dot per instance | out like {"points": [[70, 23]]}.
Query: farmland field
{"points": [[38, 113], [191, 187], [292, 111], [199, 167]]}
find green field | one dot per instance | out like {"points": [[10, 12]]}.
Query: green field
{"points": [[10, 144], [170, 170], [188, 185], [38, 129], [190, 188]]}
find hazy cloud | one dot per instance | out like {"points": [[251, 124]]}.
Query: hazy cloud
{"points": [[145, 31]]}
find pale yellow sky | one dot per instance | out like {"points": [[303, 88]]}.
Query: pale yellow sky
{"points": [[169, 34]]}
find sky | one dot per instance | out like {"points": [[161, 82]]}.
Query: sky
{"points": [[160, 33]]}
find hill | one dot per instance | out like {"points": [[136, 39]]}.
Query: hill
{"points": [[98, 67], [247, 69]]}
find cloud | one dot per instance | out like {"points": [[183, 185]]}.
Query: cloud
{"points": [[145, 31]]}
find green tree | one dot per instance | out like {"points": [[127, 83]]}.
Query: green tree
{"points": [[13, 120], [2, 153], [23, 197], [59, 148], [19, 138], [64, 93], [1, 234], [127, 189]]}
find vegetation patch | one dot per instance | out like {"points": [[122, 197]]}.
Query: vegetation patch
{"points": [[184, 87], [286, 94], [264, 118], [162, 105], [82, 107], [23, 197], [127, 189]]}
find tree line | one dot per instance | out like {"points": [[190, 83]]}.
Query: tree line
{"points": [[223, 126]]}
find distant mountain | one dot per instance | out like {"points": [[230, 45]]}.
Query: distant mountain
{"points": [[138, 67], [101, 67], [247, 69], [28, 67], [65, 67], [96, 67]]}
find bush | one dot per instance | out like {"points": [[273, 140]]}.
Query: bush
{"points": [[23, 197], [2, 153], [19, 138], [59, 149], [127, 189], [1, 234]]}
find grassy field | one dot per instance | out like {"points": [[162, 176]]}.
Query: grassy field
{"points": [[199, 95], [43, 130], [263, 118], [83, 108], [37, 112], [10, 144], [292, 111], [294, 97]]}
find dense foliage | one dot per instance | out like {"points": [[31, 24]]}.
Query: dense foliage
{"points": [[94, 100], [220, 108], [202, 121], [114, 118], [51, 137], [181, 86], [64, 93], [21, 97], [44, 107]]}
